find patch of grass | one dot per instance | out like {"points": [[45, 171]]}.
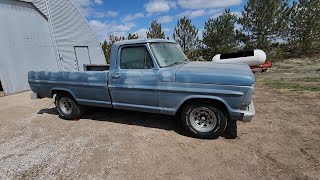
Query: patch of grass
{"points": [[290, 86], [308, 79], [283, 66]]}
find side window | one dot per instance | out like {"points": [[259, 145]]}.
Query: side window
{"points": [[135, 58]]}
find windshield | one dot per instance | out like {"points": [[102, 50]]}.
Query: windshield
{"points": [[168, 54]]}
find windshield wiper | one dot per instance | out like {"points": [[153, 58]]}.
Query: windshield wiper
{"points": [[178, 62], [175, 63]]}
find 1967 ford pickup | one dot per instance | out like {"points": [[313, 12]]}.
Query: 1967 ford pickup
{"points": [[155, 76]]}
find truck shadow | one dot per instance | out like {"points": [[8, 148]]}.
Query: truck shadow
{"points": [[169, 123]]}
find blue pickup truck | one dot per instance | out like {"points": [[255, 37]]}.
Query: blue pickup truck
{"points": [[155, 76]]}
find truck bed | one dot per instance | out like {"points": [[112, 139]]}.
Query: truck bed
{"points": [[87, 88]]}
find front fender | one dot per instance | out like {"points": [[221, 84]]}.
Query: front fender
{"points": [[215, 98]]}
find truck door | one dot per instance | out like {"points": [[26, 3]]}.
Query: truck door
{"points": [[133, 84], [82, 57]]}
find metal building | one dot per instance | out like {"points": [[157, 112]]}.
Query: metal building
{"points": [[49, 35]]}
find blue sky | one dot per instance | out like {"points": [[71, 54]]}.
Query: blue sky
{"points": [[121, 17]]}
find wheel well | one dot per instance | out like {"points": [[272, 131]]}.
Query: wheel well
{"points": [[202, 100], [60, 91]]}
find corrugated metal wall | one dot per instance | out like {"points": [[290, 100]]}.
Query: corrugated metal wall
{"points": [[70, 30], [25, 44], [41, 36]]}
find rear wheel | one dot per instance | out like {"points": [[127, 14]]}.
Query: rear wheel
{"points": [[203, 120], [67, 107]]}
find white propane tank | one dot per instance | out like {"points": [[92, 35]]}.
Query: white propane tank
{"points": [[252, 58]]}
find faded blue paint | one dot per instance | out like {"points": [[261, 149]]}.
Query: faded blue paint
{"points": [[157, 90], [88, 88]]}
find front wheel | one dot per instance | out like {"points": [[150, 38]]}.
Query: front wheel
{"points": [[204, 121], [67, 107]]}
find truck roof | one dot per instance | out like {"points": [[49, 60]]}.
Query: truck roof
{"points": [[141, 41]]}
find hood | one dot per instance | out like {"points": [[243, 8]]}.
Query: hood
{"points": [[215, 73]]}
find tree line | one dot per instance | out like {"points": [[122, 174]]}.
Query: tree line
{"points": [[281, 28]]}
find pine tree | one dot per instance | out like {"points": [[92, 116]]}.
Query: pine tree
{"points": [[106, 46], [304, 27], [133, 36], [185, 33], [219, 34], [264, 21], [155, 31], [113, 38]]}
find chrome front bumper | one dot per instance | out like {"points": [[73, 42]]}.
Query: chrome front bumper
{"points": [[247, 115]]}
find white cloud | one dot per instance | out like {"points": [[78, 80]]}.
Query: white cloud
{"points": [[103, 30], [166, 29], [86, 3], [142, 33], [119, 34], [111, 13], [158, 6], [98, 2], [197, 13], [207, 4], [106, 14], [131, 17], [193, 14], [165, 19], [85, 6]]}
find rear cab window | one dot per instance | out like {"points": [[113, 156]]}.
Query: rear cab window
{"points": [[135, 57]]}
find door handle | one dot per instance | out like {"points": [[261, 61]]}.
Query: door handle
{"points": [[116, 76]]}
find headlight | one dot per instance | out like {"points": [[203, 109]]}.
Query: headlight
{"points": [[247, 98]]}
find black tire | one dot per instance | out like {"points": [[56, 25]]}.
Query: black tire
{"points": [[202, 128], [74, 111], [231, 130]]}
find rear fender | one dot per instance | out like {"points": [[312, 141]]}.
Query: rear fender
{"points": [[62, 90]]}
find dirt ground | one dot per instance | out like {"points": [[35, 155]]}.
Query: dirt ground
{"points": [[282, 142]]}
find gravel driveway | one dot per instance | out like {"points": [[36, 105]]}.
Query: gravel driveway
{"points": [[282, 142]]}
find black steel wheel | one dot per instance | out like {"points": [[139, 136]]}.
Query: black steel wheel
{"points": [[203, 120], [67, 107]]}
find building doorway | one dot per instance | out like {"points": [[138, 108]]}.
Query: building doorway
{"points": [[1, 90], [82, 57]]}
